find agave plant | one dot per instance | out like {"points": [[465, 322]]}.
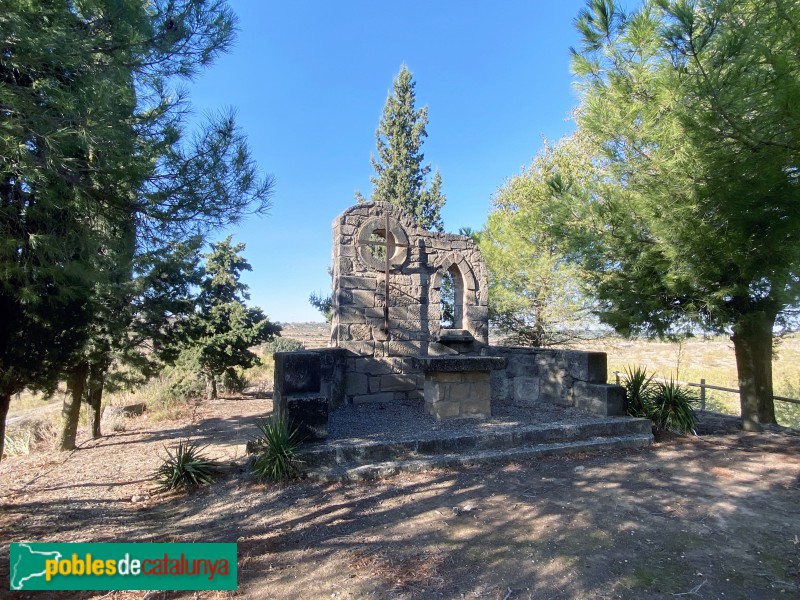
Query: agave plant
{"points": [[638, 388], [185, 467], [276, 458], [670, 407]]}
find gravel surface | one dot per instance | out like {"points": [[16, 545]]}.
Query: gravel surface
{"points": [[396, 420]]}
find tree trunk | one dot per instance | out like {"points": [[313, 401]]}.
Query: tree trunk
{"points": [[71, 411], [94, 396], [752, 343], [5, 402], [212, 388]]}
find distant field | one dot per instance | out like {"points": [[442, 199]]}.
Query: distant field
{"points": [[312, 335]]}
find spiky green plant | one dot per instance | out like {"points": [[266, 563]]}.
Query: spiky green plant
{"points": [[670, 407], [638, 388], [185, 467], [276, 458]]}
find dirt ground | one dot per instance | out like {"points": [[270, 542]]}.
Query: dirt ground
{"points": [[711, 517]]}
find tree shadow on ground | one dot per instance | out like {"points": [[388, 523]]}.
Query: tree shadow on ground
{"points": [[718, 513]]}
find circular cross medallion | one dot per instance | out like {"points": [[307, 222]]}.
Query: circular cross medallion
{"points": [[374, 241]]}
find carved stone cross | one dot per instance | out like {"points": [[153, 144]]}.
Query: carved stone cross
{"points": [[390, 244]]}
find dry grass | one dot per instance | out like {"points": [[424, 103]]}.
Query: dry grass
{"points": [[420, 570], [28, 435]]}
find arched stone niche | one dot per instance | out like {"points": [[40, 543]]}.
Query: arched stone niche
{"points": [[464, 289]]}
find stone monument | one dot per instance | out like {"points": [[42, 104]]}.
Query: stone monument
{"points": [[392, 342]]}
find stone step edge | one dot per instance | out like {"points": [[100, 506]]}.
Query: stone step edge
{"points": [[343, 473], [345, 451]]}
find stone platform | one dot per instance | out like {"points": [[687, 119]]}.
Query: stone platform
{"points": [[373, 442]]}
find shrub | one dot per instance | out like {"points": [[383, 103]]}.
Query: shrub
{"points": [[233, 381], [638, 388], [670, 407], [184, 468], [276, 451], [281, 344]]}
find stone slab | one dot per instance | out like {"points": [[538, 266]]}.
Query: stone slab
{"points": [[601, 399], [460, 363], [308, 413], [297, 372]]}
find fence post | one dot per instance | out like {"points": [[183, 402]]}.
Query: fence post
{"points": [[702, 394], [617, 374]]}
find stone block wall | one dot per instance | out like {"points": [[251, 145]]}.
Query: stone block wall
{"points": [[563, 377]]}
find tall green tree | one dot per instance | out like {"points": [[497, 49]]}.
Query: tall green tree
{"points": [[223, 327], [536, 295], [692, 107], [401, 175], [92, 147]]}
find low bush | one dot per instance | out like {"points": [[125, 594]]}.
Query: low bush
{"points": [[667, 404], [281, 344], [638, 387], [184, 468], [233, 381], [670, 407], [276, 450]]}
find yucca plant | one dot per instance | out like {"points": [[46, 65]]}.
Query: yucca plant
{"points": [[670, 407], [185, 467], [276, 458], [638, 388]]}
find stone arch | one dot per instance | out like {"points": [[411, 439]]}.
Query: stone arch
{"points": [[464, 286]]}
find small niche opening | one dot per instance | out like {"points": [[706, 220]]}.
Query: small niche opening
{"points": [[452, 299]]}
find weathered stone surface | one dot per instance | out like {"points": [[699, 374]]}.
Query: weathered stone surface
{"points": [[525, 391], [587, 366], [350, 315], [499, 386], [437, 349], [358, 331], [309, 413], [361, 348], [365, 298], [451, 395], [373, 366], [404, 348], [443, 410], [461, 363], [555, 387], [374, 398], [601, 399], [297, 372], [356, 383], [358, 283], [515, 376], [396, 382]]}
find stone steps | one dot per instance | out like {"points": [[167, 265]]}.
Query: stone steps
{"points": [[352, 459]]}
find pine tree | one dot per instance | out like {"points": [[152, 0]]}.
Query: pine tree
{"points": [[401, 175], [693, 223], [93, 147], [223, 329]]}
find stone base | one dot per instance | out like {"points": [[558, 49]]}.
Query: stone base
{"points": [[450, 395], [601, 399], [308, 413]]}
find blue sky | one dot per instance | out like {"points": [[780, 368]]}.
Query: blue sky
{"points": [[308, 81]]}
